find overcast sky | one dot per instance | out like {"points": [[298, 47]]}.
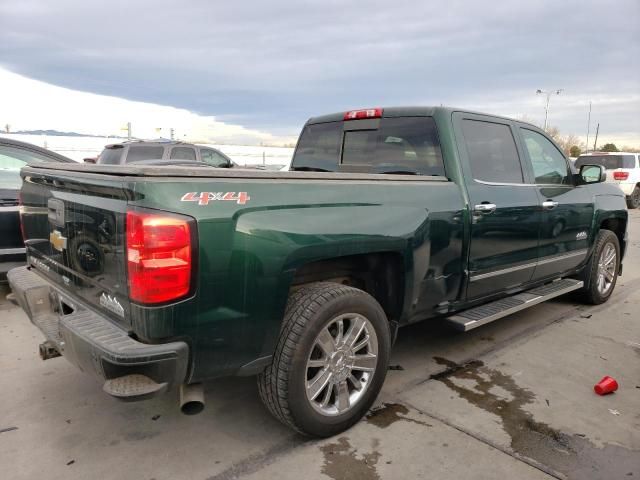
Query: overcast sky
{"points": [[268, 66]]}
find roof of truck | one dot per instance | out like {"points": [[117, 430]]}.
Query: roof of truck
{"points": [[425, 111]]}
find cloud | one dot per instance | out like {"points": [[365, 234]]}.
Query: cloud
{"points": [[271, 65], [30, 104]]}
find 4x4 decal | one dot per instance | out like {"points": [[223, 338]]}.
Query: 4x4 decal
{"points": [[203, 198]]}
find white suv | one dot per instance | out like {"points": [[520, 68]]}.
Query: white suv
{"points": [[622, 168]]}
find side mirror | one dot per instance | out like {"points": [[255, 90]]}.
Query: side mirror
{"points": [[90, 160], [593, 173]]}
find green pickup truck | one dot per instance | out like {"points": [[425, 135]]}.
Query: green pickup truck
{"points": [[154, 277]]}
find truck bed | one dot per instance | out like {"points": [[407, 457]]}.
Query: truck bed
{"points": [[221, 173]]}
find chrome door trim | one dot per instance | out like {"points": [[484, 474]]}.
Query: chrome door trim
{"points": [[11, 208], [554, 258], [550, 259], [12, 251]]}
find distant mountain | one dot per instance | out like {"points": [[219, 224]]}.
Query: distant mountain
{"points": [[56, 133]]}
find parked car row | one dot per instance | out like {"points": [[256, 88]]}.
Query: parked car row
{"points": [[170, 152]]}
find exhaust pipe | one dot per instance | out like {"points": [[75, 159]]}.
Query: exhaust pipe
{"points": [[191, 398], [48, 350]]}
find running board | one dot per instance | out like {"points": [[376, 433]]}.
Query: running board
{"points": [[489, 312]]}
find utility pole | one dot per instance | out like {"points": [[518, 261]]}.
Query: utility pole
{"points": [[588, 127], [172, 133], [546, 107], [596, 141], [128, 130]]}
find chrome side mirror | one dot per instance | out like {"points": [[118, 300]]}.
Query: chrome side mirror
{"points": [[593, 173]]}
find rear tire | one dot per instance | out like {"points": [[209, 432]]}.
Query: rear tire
{"points": [[633, 200], [330, 362], [601, 273]]}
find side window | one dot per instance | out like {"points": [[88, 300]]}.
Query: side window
{"points": [[492, 152], [549, 165], [213, 158], [183, 153]]}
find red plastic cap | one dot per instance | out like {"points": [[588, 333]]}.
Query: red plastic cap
{"points": [[365, 113], [158, 257], [620, 175], [606, 385]]}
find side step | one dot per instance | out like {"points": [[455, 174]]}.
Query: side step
{"points": [[489, 312]]}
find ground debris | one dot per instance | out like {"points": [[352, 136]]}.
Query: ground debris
{"points": [[8, 429], [71, 462], [396, 367]]}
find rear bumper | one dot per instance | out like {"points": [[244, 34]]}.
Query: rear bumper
{"points": [[92, 342], [627, 188]]}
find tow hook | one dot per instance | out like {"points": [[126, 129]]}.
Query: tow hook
{"points": [[48, 350]]}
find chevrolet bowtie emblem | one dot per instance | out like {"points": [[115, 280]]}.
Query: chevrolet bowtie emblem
{"points": [[57, 240]]}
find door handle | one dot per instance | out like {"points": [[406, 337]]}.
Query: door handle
{"points": [[485, 208], [549, 204]]}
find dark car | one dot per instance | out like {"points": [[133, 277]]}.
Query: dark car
{"points": [[13, 156], [139, 150]]}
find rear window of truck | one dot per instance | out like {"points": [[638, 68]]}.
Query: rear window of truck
{"points": [[144, 152], [610, 162], [406, 145]]}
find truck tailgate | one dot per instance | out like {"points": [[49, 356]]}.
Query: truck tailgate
{"points": [[74, 235]]}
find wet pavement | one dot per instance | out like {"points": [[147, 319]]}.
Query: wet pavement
{"points": [[511, 399]]}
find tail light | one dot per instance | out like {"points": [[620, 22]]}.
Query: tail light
{"points": [[620, 175], [361, 114], [159, 257]]}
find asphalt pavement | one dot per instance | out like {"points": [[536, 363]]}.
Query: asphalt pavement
{"points": [[511, 399]]}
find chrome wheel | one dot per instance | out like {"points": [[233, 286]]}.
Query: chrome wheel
{"points": [[607, 264], [341, 364]]}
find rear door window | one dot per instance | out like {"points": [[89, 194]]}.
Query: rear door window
{"points": [[183, 153], [144, 152], [492, 152]]}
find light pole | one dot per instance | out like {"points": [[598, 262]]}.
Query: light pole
{"points": [[546, 107]]}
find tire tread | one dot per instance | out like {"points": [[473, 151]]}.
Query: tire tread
{"points": [[301, 308]]}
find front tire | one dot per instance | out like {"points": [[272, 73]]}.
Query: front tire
{"points": [[330, 362], [633, 200], [601, 273]]}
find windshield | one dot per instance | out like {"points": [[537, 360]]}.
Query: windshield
{"points": [[110, 156], [610, 162], [394, 145]]}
